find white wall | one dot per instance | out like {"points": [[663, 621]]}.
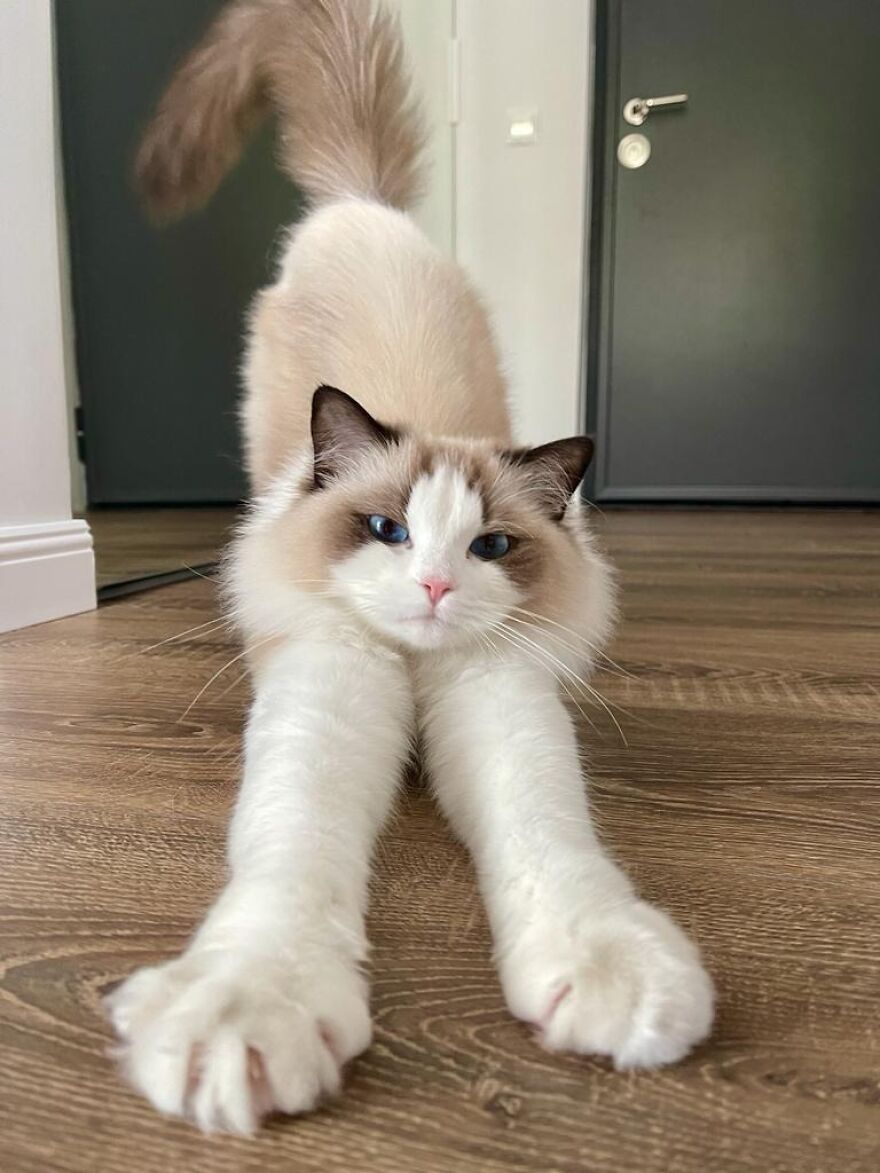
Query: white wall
{"points": [[520, 209], [427, 27], [513, 215], [46, 564]]}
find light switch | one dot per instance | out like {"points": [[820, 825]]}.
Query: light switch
{"points": [[522, 127]]}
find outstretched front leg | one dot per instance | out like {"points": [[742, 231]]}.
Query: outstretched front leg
{"points": [[595, 968], [268, 1001]]}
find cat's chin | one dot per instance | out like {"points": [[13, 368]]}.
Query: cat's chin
{"points": [[424, 632]]}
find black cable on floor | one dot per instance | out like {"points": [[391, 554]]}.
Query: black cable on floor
{"points": [[118, 590]]}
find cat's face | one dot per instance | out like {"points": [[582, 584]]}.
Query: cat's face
{"points": [[438, 570], [433, 543]]}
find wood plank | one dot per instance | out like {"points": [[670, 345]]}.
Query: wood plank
{"points": [[135, 542]]}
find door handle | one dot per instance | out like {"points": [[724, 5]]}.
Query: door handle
{"points": [[637, 109]]}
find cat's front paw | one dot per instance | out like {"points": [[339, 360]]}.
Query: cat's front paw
{"points": [[224, 1039], [629, 985]]}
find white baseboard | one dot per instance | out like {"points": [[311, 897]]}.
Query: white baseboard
{"points": [[47, 569]]}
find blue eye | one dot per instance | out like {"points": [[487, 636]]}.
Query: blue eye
{"points": [[387, 530], [490, 546]]}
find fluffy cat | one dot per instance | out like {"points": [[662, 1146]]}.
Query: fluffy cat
{"points": [[402, 567]]}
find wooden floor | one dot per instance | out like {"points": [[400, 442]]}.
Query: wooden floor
{"points": [[747, 801], [134, 542]]}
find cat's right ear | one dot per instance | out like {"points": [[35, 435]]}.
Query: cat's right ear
{"points": [[341, 431]]}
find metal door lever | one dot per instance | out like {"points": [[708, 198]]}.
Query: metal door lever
{"points": [[637, 109]]}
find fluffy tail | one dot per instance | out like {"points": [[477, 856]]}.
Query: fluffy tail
{"points": [[334, 70]]}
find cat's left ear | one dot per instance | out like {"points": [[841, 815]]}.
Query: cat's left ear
{"points": [[341, 431], [555, 470]]}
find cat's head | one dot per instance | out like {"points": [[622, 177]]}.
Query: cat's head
{"points": [[434, 542]]}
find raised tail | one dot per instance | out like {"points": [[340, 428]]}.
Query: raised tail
{"points": [[334, 70]]}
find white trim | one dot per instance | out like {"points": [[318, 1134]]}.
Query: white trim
{"points": [[47, 570], [587, 292]]}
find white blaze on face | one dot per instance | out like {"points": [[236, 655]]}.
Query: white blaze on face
{"points": [[443, 517], [384, 582]]}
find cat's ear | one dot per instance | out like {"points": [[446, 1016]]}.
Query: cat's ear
{"points": [[555, 470], [341, 431]]}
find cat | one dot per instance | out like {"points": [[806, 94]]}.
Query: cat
{"points": [[404, 568]]}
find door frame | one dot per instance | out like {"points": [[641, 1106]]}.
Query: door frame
{"points": [[599, 241]]}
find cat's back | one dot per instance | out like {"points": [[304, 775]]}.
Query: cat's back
{"points": [[366, 303]]}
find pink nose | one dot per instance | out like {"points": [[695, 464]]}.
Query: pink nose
{"points": [[436, 588]]}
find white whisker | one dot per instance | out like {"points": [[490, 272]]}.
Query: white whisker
{"points": [[508, 635], [579, 679], [593, 647], [198, 573], [211, 623], [220, 671], [564, 644]]}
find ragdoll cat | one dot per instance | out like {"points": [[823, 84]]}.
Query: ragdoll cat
{"points": [[403, 566]]}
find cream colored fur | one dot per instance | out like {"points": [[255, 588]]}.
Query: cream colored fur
{"points": [[351, 649], [364, 302]]}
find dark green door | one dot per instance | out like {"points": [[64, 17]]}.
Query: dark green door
{"points": [[158, 313], [736, 347]]}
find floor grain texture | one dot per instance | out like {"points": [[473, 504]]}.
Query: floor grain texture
{"points": [[746, 801], [134, 542]]}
